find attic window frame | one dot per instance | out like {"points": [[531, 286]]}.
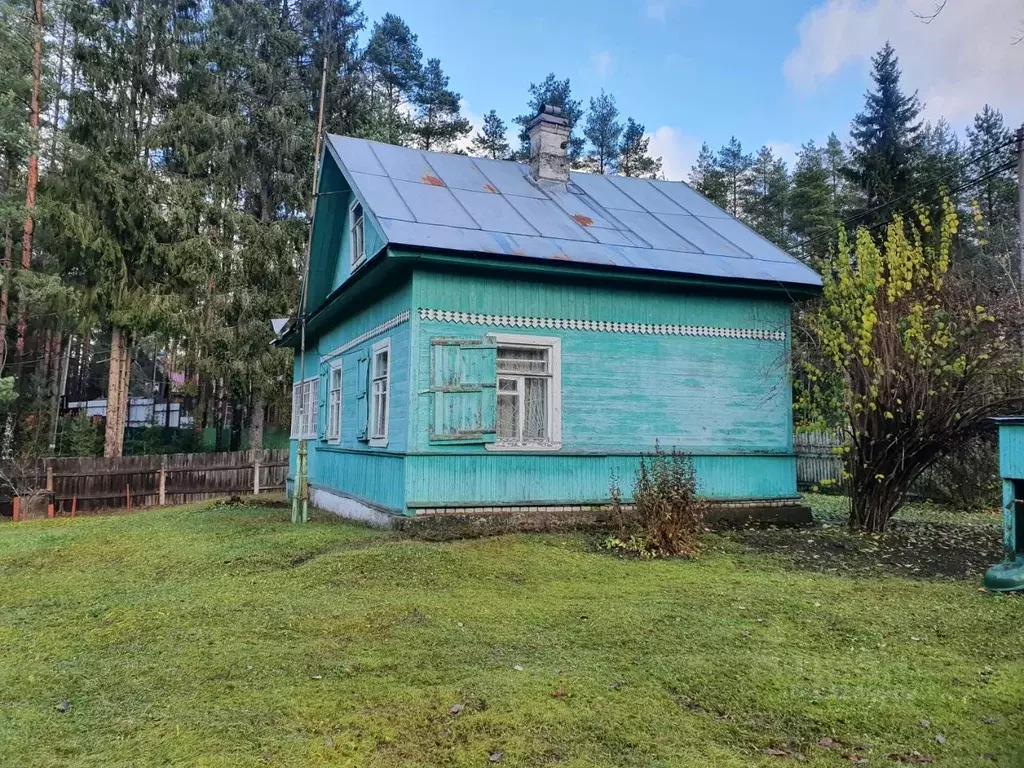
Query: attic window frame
{"points": [[357, 229]]}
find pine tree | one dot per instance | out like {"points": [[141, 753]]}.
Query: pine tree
{"points": [[708, 178], [439, 124], [886, 153], [557, 93], [764, 194], [734, 165], [393, 60], [812, 218], [603, 131], [490, 141], [634, 157]]}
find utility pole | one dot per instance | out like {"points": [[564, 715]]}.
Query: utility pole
{"points": [[1020, 207]]}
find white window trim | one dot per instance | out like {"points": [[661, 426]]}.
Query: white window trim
{"points": [[380, 441], [554, 345], [357, 259], [299, 392], [335, 438]]}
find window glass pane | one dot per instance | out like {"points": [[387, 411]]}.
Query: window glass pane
{"points": [[535, 423], [522, 360], [380, 364], [508, 418]]}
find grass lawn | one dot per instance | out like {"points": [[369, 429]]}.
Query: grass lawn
{"points": [[223, 636]]}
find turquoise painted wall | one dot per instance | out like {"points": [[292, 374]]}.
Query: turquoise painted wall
{"points": [[331, 248], [1011, 451], [372, 474], [727, 401]]}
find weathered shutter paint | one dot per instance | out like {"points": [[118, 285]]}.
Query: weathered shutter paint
{"points": [[463, 378], [321, 409], [362, 401]]}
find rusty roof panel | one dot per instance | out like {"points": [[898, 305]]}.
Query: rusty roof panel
{"points": [[482, 206]]}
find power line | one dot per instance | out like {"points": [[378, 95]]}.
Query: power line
{"points": [[983, 177], [908, 195]]}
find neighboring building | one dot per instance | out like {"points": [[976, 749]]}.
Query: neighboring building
{"points": [[142, 412], [485, 334]]}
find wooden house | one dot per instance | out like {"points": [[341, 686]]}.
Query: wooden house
{"points": [[485, 336]]}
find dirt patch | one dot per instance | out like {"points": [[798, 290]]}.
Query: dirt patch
{"points": [[923, 550]]}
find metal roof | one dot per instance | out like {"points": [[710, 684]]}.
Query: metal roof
{"points": [[486, 207]]}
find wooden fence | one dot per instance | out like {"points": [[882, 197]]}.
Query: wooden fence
{"points": [[816, 459], [59, 485]]}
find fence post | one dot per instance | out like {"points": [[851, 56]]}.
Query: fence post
{"points": [[256, 473], [163, 480], [49, 489]]}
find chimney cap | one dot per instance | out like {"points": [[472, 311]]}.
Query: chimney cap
{"points": [[549, 114]]}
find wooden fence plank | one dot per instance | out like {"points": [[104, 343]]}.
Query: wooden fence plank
{"points": [[103, 483]]}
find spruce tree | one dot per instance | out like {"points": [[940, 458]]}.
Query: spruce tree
{"points": [[634, 157], [708, 178], [812, 219], [764, 194], [734, 165], [490, 141], [603, 131], [886, 153], [842, 194], [394, 65], [330, 29], [439, 124], [557, 93], [990, 144]]}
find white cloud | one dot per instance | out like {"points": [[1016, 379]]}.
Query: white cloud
{"points": [[603, 63], [959, 61], [678, 152]]}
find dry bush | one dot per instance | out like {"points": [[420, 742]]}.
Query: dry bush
{"points": [[667, 513]]}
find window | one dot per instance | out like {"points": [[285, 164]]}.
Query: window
{"points": [[304, 406], [380, 384], [355, 216], [334, 405], [528, 392]]}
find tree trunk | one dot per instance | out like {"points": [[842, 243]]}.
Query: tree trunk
{"points": [[33, 167], [117, 393], [59, 386], [4, 295], [256, 424]]}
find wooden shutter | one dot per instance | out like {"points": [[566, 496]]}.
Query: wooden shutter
{"points": [[362, 401], [321, 405], [463, 377]]}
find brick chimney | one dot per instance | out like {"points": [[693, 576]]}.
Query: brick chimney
{"points": [[549, 136]]}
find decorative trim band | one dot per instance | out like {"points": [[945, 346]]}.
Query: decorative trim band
{"points": [[387, 325], [656, 329]]}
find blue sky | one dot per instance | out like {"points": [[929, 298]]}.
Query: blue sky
{"points": [[769, 71]]}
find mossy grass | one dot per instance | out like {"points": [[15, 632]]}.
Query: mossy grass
{"points": [[225, 636]]}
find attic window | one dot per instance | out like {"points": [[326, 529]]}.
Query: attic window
{"points": [[358, 239]]}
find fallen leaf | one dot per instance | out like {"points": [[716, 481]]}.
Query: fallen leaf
{"points": [[456, 709], [940, 739], [779, 752], [64, 706], [559, 693], [926, 724], [497, 756], [518, 667]]}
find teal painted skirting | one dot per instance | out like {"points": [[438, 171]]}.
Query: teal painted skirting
{"points": [[374, 476], [1011, 451], [445, 480]]}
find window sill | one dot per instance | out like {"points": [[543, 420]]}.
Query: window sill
{"points": [[524, 447], [378, 442]]}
